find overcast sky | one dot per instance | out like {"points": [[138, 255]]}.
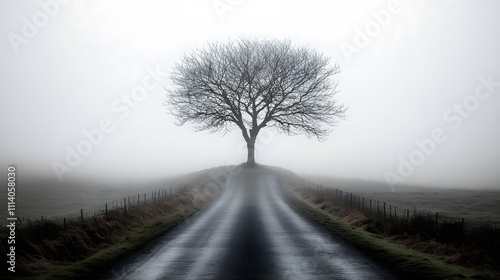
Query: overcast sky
{"points": [[410, 71]]}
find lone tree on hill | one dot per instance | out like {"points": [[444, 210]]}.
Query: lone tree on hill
{"points": [[252, 84]]}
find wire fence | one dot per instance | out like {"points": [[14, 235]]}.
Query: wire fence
{"points": [[386, 211], [126, 203]]}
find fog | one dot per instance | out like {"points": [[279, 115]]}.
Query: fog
{"points": [[421, 80]]}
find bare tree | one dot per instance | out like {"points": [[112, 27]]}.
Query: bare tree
{"points": [[251, 84]]}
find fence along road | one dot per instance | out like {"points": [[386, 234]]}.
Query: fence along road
{"points": [[249, 232]]}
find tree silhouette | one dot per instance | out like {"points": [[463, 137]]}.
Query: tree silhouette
{"points": [[251, 84]]}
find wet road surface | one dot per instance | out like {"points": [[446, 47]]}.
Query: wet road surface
{"points": [[249, 232]]}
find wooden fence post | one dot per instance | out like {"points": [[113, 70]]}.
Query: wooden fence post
{"points": [[384, 211], [81, 214], [106, 210]]}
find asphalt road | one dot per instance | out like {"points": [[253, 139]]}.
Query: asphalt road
{"points": [[249, 232]]}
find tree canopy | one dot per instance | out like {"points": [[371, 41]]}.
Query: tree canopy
{"points": [[251, 84]]}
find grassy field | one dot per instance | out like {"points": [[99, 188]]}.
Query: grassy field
{"points": [[50, 198], [475, 205]]}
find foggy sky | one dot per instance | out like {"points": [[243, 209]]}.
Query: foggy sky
{"points": [[410, 71]]}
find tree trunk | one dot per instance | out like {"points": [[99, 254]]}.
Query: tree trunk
{"points": [[251, 152]]}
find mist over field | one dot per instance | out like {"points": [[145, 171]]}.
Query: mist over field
{"points": [[83, 86]]}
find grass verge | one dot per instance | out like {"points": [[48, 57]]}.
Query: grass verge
{"points": [[408, 263], [96, 264]]}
